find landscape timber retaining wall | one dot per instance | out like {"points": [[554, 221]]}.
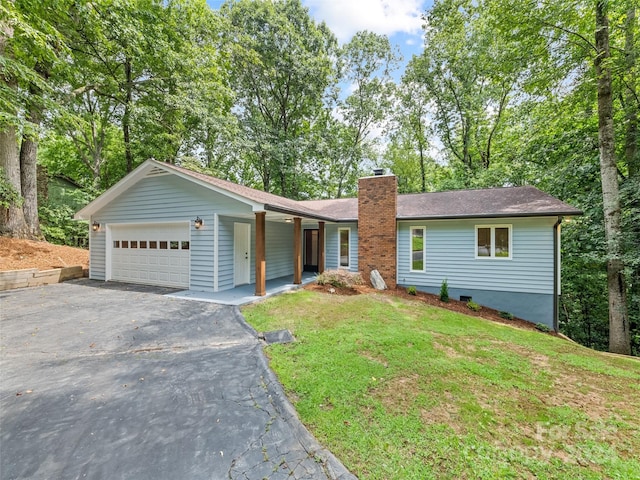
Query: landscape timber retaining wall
{"points": [[32, 277]]}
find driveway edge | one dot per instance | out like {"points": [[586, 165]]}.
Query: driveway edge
{"points": [[333, 467]]}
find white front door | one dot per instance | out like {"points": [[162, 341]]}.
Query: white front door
{"points": [[242, 253]]}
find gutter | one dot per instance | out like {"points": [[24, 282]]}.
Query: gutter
{"points": [[556, 271]]}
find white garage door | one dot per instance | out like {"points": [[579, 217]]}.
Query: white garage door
{"points": [[156, 254]]}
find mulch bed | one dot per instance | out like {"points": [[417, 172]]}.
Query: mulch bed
{"points": [[428, 298]]}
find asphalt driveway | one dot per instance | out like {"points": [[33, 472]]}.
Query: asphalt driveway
{"points": [[107, 381]]}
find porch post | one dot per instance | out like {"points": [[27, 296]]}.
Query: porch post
{"points": [[297, 250], [261, 264], [320, 247]]}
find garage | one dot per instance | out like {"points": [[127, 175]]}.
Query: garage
{"points": [[152, 254]]}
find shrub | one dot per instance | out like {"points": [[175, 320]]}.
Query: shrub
{"points": [[473, 306], [339, 278], [542, 327], [507, 315], [444, 291], [411, 290]]}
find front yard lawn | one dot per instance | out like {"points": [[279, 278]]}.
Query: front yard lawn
{"points": [[397, 389]]}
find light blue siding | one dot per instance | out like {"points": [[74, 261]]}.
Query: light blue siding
{"points": [[167, 198], [522, 285], [97, 253], [279, 249], [450, 254], [332, 245]]}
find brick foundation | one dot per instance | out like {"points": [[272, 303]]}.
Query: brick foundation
{"points": [[377, 207]]}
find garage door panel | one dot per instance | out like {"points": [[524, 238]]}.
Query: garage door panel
{"points": [[156, 254]]}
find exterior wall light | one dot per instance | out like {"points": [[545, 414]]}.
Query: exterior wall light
{"points": [[288, 220], [95, 226], [198, 222]]}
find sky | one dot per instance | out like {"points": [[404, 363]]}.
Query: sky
{"points": [[400, 20]]}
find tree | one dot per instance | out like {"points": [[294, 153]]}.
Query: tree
{"points": [[469, 74], [619, 335], [281, 66], [29, 47]]}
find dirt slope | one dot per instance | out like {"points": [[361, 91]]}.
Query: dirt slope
{"points": [[18, 254]]}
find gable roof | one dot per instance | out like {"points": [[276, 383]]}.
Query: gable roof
{"points": [[486, 203]]}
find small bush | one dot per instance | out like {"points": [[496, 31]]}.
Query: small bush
{"points": [[444, 291], [473, 306], [542, 327], [507, 315], [339, 278], [411, 290]]}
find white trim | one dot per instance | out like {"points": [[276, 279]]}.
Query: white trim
{"points": [[348, 266], [215, 252], [424, 248], [140, 173], [492, 227]]}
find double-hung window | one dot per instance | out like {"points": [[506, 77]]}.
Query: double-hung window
{"points": [[493, 241], [417, 249]]}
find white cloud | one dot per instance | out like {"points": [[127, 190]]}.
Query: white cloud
{"points": [[386, 17]]}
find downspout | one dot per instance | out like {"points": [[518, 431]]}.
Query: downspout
{"points": [[556, 271]]}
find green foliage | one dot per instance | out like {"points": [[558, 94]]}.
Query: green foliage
{"points": [[339, 278], [8, 194], [471, 305], [444, 291], [56, 219], [542, 327], [506, 315], [57, 226], [412, 290]]}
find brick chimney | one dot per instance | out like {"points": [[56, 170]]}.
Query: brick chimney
{"points": [[377, 207]]}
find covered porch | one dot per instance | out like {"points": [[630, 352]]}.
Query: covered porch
{"points": [[244, 294]]}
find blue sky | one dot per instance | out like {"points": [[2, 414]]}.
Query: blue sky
{"points": [[400, 20]]}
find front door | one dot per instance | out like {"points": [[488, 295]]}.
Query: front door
{"points": [[242, 253], [311, 250]]}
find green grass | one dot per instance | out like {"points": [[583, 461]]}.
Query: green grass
{"points": [[398, 389]]}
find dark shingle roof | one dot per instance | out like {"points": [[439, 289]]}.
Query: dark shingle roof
{"points": [[492, 202]]}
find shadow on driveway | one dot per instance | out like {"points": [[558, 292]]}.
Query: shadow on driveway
{"points": [[111, 381]]}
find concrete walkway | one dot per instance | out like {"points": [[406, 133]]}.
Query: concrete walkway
{"points": [[244, 294], [109, 381]]}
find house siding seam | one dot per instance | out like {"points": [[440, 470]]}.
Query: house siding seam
{"points": [[377, 239]]}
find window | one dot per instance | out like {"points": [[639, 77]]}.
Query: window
{"points": [[125, 243], [134, 244], [153, 244], [417, 249], [185, 245], [143, 244], [116, 244], [493, 241], [173, 245], [343, 261], [163, 245]]}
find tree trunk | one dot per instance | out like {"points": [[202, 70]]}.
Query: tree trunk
{"points": [[619, 337], [29, 184], [631, 103], [12, 221], [29, 173], [126, 118]]}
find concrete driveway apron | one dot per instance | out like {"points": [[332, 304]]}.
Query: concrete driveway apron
{"points": [[106, 381]]}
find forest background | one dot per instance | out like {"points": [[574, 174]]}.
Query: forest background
{"points": [[504, 93]]}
